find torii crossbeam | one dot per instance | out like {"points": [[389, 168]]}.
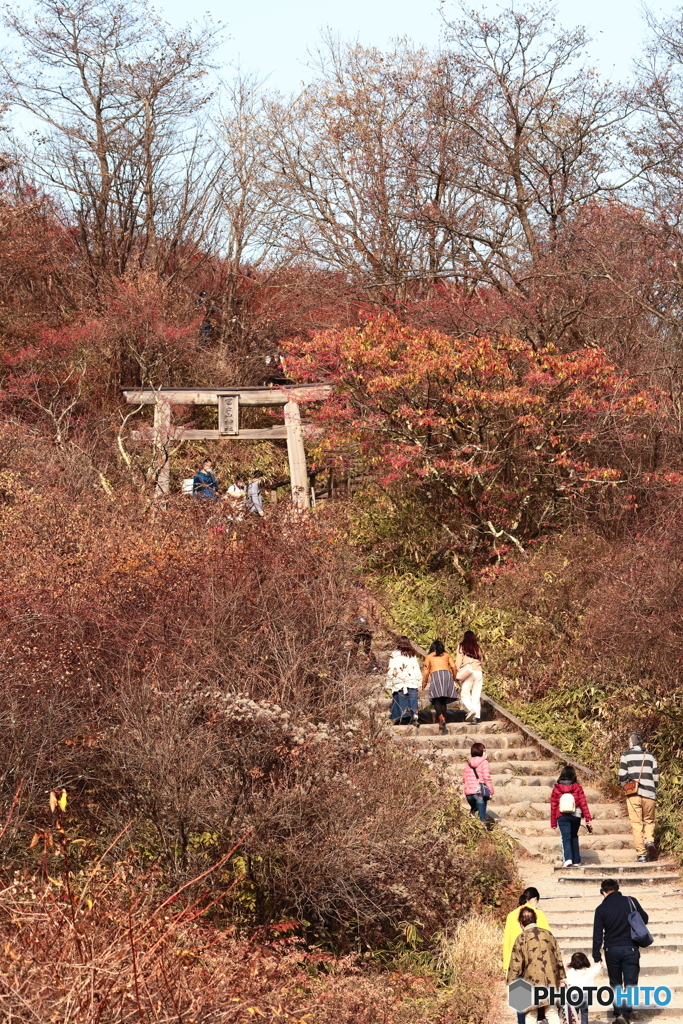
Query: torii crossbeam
{"points": [[229, 401]]}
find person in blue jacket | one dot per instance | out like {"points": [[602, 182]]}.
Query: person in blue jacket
{"points": [[204, 483]]}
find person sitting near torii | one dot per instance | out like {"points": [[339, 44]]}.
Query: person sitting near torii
{"points": [[205, 483]]}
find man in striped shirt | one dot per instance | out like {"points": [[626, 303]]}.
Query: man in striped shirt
{"points": [[637, 765]]}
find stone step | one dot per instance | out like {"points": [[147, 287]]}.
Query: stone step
{"points": [[427, 731], [506, 771], [540, 828], [657, 965], [582, 933], [665, 946], [464, 739], [501, 780], [461, 743], [512, 769], [530, 810], [662, 908], [459, 750], [523, 779], [508, 756], [552, 844], [520, 790], [577, 911], [631, 870], [568, 876]]}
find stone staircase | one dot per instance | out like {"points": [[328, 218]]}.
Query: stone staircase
{"points": [[524, 770], [523, 779], [569, 906]]}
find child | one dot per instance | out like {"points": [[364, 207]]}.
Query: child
{"points": [[580, 973]]}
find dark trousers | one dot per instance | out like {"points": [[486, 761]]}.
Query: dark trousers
{"points": [[478, 805], [576, 1013], [569, 825], [440, 705], [623, 968]]}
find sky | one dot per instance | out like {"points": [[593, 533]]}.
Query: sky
{"points": [[271, 37]]}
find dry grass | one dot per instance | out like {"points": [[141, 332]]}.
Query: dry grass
{"points": [[471, 956]]}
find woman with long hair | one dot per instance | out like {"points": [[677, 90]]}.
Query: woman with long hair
{"points": [[567, 805], [404, 677], [439, 670], [469, 674]]}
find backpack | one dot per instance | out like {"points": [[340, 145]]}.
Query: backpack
{"points": [[567, 803]]}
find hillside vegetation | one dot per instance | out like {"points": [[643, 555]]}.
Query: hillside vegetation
{"points": [[203, 816]]}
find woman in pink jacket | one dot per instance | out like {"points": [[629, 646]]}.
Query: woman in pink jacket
{"points": [[476, 781]]}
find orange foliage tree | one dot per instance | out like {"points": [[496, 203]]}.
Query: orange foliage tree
{"points": [[499, 441]]}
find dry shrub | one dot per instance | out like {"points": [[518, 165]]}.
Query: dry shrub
{"points": [[193, 676], [90, 948], [595, 648], [471, 957], [99, 954]]}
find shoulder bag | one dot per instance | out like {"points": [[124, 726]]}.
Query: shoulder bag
{"points": [[631, 787], [483, 790], [639, 930], [464, 672]]}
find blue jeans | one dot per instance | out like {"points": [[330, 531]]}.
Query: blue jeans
{"points": [[478, 805], [403, 704], [569, 825], [572, 1013], [623, 968]]}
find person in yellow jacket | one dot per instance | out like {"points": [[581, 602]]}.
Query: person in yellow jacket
{"points": [[529, 898]]}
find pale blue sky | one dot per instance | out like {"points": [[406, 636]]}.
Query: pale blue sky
{"points": [[271, 37]]}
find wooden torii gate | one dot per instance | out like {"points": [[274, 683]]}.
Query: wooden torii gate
{"points": [[229, 401]]}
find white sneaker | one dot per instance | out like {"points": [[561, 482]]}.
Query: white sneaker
{"points": [[568, 864]]}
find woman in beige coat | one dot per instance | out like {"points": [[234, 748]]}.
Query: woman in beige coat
{"points": [[469, 674]]}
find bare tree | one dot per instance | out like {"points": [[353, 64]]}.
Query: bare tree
{"points": [[116, 94], [346, 153], [653, 279], [543, 132], [408, 168], [250, 191]]}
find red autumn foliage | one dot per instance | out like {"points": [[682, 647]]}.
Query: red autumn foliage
{"points": [[196, 677], [503, 441], [98, 948]]}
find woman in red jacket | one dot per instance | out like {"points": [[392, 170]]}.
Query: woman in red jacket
{"points": [[567, 805], [475, 775]]}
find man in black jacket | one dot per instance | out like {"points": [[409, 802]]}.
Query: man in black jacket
{"points": [[611, 928]]}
